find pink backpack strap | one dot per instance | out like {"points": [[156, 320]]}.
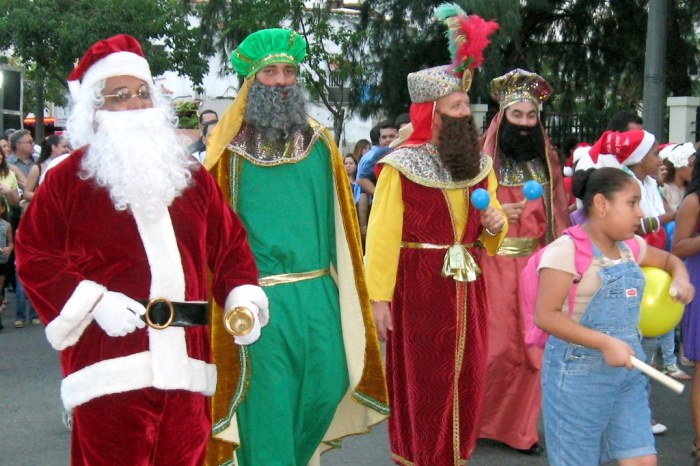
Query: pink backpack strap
{"points": [[582, 259], [584, 256], [634, 246]]}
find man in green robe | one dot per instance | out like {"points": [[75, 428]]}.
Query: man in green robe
{"points": [[316, 374]]}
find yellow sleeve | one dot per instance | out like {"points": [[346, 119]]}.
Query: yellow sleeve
{"points": [[492, 243], [384, 230]]}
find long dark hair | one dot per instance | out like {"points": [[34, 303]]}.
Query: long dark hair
{"points": [[694, 185], [4, 167], [606, 181], [47, 147]]}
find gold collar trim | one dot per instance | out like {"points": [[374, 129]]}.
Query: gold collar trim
{"points": [[248, 144], [421, 164]]}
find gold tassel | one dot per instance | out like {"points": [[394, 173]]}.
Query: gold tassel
{"points": [[460, 265]]}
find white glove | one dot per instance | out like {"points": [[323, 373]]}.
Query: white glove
{"points": [[254, 334], [118, 314], [245, 295], [253, 298]]}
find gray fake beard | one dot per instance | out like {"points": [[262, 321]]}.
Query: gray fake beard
{"points": [[275, 118]]}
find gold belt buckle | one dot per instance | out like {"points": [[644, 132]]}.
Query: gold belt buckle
{"points": [[150, 305]]}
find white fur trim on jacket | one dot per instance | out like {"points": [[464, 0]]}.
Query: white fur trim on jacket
{"points": [[133, 372], [167, 364], [66, 329]]}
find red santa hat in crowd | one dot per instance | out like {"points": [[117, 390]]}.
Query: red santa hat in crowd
{"points": [[116, 56], [628, 147], [579, 151]]}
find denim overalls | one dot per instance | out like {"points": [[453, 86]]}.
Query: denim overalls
{"points": [[595, 413]]}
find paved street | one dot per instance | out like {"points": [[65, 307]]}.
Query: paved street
{"points": [[32, 434]]}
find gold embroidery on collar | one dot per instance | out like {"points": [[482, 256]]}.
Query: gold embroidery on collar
{"points": [[421, 164], [248, 144]]}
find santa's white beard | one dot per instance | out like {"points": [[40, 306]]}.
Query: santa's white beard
{"points": [[140, 159]]}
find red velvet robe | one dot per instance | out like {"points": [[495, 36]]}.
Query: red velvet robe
{"points": [[73, 245], [436, 355], [512, 399]]}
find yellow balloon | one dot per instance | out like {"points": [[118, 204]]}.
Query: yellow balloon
{"points": [[659, 313]]}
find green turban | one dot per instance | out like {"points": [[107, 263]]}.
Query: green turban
{"points": [[268, 46]]}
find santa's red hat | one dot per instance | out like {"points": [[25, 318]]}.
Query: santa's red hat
{"points": [[628, 147], [120, 55], [579, 151]]}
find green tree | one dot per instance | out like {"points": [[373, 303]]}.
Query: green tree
{"points": [[592, 51], [329, 63], [48, 36]]}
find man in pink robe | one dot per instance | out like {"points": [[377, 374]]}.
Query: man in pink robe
{"points": [[521, 151]]}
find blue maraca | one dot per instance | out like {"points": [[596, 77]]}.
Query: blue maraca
{"points": [[480, 198], [532, 190]]}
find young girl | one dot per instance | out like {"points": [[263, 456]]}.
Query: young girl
{"points": [[679, 160], [6, 247], [595, 408], [638, 153]]}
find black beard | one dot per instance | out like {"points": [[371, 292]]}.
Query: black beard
{"points": [[520, 147], [459, 147]]}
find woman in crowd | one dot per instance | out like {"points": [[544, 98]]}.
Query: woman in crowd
{"points": [[8, 179], [679, 160], [361, 148], [351, 168], [53, 146], [686, 245]]}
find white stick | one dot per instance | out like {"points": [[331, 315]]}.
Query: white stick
{"points": [[659, 376]]}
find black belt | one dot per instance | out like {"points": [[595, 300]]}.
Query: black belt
{"points": [[161, 313]]}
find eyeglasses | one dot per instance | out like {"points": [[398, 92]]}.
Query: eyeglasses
{"points": [[124, 95]]}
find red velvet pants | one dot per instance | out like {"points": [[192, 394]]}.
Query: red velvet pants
{"points": [[148, 427]]}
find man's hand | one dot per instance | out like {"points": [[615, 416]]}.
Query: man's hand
{"points": [[118, 315], [514, 211], [382, 318], [492, 220]]}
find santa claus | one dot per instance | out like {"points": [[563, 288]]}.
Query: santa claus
{"points": [[121, 281]]}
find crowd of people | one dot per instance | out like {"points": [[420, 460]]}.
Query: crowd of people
{"points": [[223, 302]]}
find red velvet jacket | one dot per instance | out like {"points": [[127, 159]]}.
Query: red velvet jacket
{"points": [[73, 245]]}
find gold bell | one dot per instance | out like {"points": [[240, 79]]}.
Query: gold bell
{"points": [[239, 321]]}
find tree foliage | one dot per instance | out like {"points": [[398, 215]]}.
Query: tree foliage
{"points": [[592, 51], [48, 36]]}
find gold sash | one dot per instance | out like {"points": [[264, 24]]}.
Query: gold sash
{"points": [[283, 278], [517, 247], [458, 263]]}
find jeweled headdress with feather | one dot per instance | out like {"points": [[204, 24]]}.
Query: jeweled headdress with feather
{"points": [[468, 37]]}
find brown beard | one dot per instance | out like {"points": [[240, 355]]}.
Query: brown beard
{"points": [[459, 148]]}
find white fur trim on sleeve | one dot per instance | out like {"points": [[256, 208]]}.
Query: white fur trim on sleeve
{"points": [[66, 329]]}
